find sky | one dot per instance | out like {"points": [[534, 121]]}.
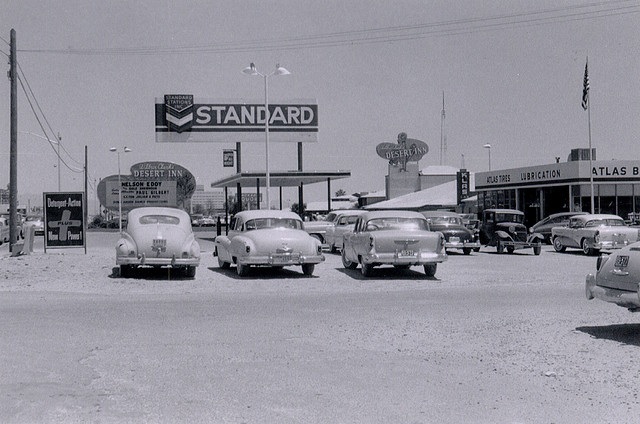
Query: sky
{"points": [[511, 73]]}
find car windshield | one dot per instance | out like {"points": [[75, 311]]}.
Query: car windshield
{"points": [[605, 222], [159, 219], [446, 220], [410, 224], [261, 223], [509, 217]]}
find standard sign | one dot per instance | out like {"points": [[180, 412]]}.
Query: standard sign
{"points": [[64, 220], [181, 118]]}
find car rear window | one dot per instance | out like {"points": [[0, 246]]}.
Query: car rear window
{"points": [[607, 222], [446, 220], [410, 224], [159, 219], [261, 223]]}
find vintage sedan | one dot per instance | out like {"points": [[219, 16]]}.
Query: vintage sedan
{"points": [[398, 238], [560, 219], [457, 236], [271, 238], [594, 232], [505, 229], [343, 223], [616, 278], [158, 237]]}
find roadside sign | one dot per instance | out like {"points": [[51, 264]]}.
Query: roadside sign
{"points": [[64, 220], [227, 158]]}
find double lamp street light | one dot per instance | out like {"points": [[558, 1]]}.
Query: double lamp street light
{"points": [[251, 70]]}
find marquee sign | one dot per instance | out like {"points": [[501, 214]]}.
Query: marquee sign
{"points": [[183, 118], [406, 150], [149, 184]]}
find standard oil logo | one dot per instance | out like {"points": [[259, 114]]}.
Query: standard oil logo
{"points": [[179, 112]]}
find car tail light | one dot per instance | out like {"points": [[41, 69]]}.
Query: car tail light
{"points": [[371, 242], [596, 237], [319, 249], [247, 249]]}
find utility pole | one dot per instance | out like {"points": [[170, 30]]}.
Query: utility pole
{"points": [[13, 153]]}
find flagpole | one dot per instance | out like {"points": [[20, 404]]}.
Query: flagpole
{"points": [[590, 156]]}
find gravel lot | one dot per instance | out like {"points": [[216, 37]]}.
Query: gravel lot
{"points": [[492, 339]]}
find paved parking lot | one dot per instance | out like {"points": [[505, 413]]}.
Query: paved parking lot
{"points": [[492, 338]]}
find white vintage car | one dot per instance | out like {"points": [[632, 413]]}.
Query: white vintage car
{"points": [[594, 232], [272, 238], [398, 238], [343, 223], [158, 237], [616, 278]]}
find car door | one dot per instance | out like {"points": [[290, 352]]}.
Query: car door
{"points": [[350, 240], [575, 232]]}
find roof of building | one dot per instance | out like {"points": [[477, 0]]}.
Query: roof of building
{"points": [[443, 195]]}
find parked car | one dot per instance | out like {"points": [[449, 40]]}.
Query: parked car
{"points": [[158, 237], [19, 224], [457, 236], [207, 221], [594, 232], [4, 230], [545, 225], [36, 222], [343, 223], [616, 278], [470, 220], [505, 229], [398, 238], [272, 238], [318, 229], [195, 220]]}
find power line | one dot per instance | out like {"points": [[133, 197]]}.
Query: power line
{"points": [[384, 34]]}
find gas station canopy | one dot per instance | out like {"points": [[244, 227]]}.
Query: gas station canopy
{"points": [[280, 178]]}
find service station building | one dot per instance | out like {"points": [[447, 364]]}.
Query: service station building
{"points": [[542, 190]]}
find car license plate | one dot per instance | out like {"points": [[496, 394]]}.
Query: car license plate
{"points": [[622, 261], [284, 259], [454, 239], [404, 253], [159, 245]]}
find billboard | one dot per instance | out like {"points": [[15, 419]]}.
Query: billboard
{"points": [[182, 118], [149, 184], [64, 220], [405, 150]]}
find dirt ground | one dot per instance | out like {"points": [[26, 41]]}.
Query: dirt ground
{"points": [[491, 339]]}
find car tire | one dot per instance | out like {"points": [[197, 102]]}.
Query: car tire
{"points": [[499, 247], [307, 269], [242, 270], [589, 251], [466, 250], [537, 250], [366, 270], [430, 269], [558, 246], [333, 248], [476, 249], [223, 264], [510, 249], [190, 271], [347, 263]]}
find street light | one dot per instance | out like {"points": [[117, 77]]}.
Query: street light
{"points": [[251, 70], [125, 150], [488, 146]]}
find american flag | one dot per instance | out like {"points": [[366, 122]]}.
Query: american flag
{"points": [[585, 88]]}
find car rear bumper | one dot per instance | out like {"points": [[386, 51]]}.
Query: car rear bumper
{"points": [[280, 259], [624, 298], [610, 245], [177, 262], [423, 258], [462, 245]]}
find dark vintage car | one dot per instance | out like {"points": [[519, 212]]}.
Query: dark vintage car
{"points": [[505, 229], [545, 225], [457, 236]]}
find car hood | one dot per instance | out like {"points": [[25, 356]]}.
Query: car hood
{"points": [[452, 231]]}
